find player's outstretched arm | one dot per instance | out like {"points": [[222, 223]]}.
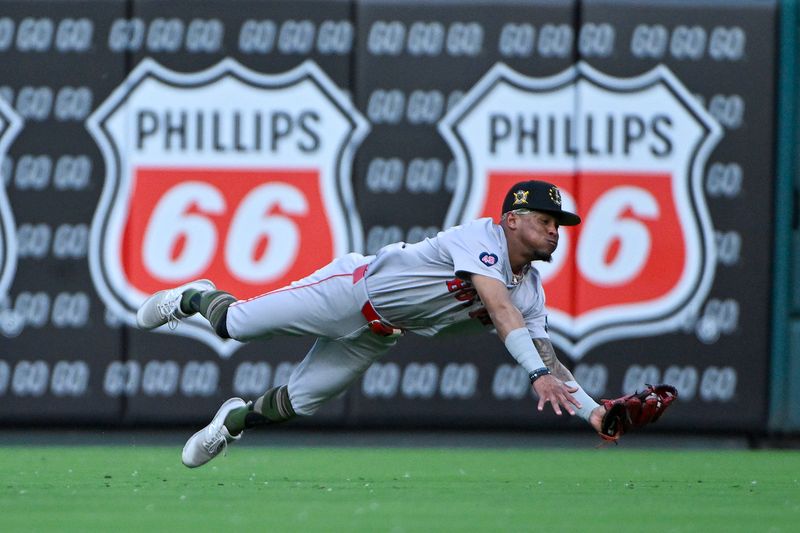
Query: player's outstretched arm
{"points": [[548, 355], [588, 409], [494, 296], [511, 328]]}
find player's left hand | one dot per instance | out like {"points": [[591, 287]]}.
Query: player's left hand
{"points": [[551, 389], [635, 410]]}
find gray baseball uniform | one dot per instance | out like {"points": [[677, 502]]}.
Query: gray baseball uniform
{"points": [[357, 305]]}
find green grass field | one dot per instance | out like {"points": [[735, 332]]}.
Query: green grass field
{"points": [[137, 488]]}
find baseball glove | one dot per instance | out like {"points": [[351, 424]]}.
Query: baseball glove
{"points": [[635, 410]]}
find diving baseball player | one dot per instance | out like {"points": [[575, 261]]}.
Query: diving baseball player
{"points": [[358, 307]]}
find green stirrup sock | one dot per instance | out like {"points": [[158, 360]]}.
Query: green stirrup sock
{"points": [[271, 408], [189, 304], [235, 419], [213, 304]]}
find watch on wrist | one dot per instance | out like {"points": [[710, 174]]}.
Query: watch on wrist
{"points": [[539, 372]]}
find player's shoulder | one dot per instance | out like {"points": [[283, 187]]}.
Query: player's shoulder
{"points": [[480, 227]]}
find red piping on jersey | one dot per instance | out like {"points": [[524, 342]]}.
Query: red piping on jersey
{"points": [[376, 324], [283, 289], [359, 273]]}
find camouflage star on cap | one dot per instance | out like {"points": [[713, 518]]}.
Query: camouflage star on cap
{"points": [[520, 197]]}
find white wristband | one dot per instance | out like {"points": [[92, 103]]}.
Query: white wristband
{"points": [[587, 403], [519, 344]]}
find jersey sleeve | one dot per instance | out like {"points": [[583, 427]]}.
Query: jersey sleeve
{"points": [[531, 303], [536, 322], [473, 249]]}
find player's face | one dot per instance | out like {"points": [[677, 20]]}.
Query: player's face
{"points": [[538, 233]]}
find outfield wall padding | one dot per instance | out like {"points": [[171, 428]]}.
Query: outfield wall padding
{"points": [[149, 143]]}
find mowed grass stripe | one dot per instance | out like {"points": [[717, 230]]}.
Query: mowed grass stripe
{"points": [[368, 489]]}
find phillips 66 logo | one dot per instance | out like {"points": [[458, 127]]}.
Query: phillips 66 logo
{"points": [[10, 125], [226, 174], [628, 156]]}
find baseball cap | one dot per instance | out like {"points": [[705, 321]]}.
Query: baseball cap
{"points": [[539, 196]]}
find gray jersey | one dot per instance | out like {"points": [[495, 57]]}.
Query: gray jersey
{"points": [[425, 288]]}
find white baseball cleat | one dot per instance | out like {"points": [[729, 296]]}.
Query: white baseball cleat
{"points": [[165, 306], [212, 439]]}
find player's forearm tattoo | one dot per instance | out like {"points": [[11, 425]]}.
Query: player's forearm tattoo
{"points": [[548, 355], [546, 352]]}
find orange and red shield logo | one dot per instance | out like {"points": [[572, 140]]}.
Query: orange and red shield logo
{"points": [[628, 157], [226, 174]]}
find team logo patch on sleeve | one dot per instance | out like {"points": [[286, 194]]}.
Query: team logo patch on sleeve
{"points": [[488, 259]]}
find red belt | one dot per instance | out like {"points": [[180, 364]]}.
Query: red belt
{"points": [[376, 324]]}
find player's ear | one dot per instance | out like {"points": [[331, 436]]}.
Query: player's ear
{"points": [[511, 220]]}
